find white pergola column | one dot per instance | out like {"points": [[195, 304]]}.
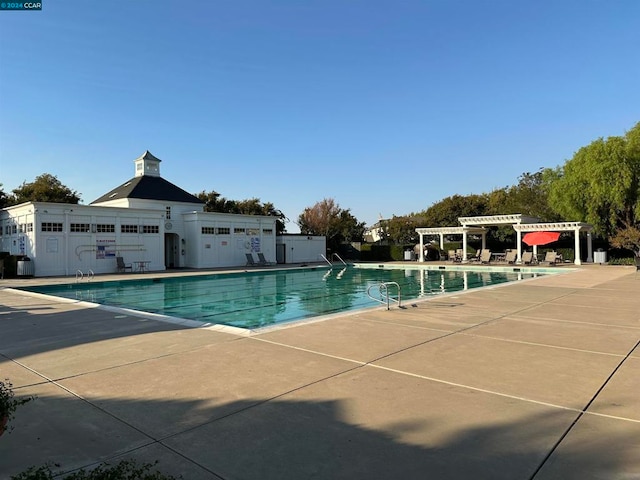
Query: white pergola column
{"points": [[484, 240], [421, 256], [589, 248], [519, 243], [576, 233], [441, 241], [464, 245]]}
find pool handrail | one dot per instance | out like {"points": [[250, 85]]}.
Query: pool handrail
{"points": [[338, 257], [326, 260], [386, 297]]}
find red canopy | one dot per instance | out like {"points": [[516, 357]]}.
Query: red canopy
{"points": [[540, 238]]}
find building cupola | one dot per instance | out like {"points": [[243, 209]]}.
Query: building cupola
{"points": [[147, 164]]}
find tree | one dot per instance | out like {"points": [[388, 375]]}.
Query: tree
{"points": [[402, 230], [445, 213], [326, 218], [350, 229], [629, 238], [4, 199], [320, 219], [601, 184], [45, 188], [213, 202], [529, 197]]}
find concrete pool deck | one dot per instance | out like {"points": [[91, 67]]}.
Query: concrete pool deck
{"points": [[533, 380]]}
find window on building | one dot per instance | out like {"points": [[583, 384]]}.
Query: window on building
{"points": [[79, 227], [105, 228], [51, 227], [267, 231], [30, 227], [128, 228], [238, 230], [167, 214], [253, 231], [223, 230], [208, 230], [150, 229]]}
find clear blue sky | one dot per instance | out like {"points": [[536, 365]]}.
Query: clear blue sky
{"points": [[385, 106]]}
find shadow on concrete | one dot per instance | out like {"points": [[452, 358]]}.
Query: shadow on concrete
{"points": [[284, 439], [42, 328]]}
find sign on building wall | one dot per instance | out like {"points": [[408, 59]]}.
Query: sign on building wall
{"points": [[52, 245], [105, 249], [255, 244]]}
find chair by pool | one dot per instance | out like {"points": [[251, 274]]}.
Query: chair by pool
{"points": [[528, 258], [511, 256], [123, 267], [551, 258], [262, 260]]}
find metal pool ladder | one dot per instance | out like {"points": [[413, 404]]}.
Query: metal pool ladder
{"points": [[383, 293], [80, 275], [334, 255]]}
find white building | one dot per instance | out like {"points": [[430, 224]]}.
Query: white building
{"points": [[146, 220], [297, 248]]}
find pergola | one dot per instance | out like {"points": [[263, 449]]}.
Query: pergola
{"points": [[520, 223], [442, 231], [575, 227]]}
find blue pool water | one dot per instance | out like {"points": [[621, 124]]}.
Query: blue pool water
{"points": [[262, 298]]}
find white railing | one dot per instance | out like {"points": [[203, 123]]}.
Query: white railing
{"points": [[338, 257], [384, 295], [333, 255], [326, 260], [80, 275]]}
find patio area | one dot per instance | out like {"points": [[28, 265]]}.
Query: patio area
{"points": [[533, 380]]}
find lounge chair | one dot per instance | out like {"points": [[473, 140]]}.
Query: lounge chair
{"points": [[485, 256], [250, 261], [551, 258], [476, 256], [123, 267], [528, 259], [452, 256], [262, 260], [511, 256]]}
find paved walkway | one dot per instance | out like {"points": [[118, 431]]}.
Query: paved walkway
{"points": [[536, 380]]}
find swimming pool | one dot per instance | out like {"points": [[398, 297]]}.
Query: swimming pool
{"points": [[257, 299]]}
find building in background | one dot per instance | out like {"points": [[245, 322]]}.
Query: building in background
{"points": [[149, 222]]}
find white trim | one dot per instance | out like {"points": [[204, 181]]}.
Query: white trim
{"points": [[488, 220]]}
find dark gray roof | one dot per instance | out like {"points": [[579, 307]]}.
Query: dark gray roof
{"points": [[149, 188], [148, 156]]}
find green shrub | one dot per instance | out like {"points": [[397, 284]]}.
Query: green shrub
{"points": [[567, 253], [375, 253], [622, 261], [125, 470], [9, 404]]}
